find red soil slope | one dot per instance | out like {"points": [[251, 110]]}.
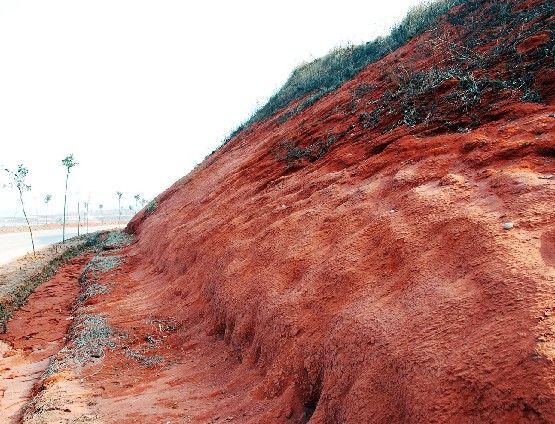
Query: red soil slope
{"points": [[36, 332], [349, 263], [369, 278]]}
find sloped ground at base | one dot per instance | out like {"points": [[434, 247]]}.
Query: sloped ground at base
{"points": [[35, 334], [385, 254]]}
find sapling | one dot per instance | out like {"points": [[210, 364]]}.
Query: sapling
{"points": [[119, 193], [78, 218], [18, 180], [86, 204], [69, 162], [47, 200]]}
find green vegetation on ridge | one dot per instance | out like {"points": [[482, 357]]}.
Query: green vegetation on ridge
{"points": [[315, 79]]}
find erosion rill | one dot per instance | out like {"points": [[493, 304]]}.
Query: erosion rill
{"points": [[383, 253]]}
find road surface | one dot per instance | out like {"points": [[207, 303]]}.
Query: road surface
{"points": [[13, 245]]}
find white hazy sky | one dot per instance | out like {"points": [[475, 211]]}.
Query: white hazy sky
{"points": [[142, 90]]}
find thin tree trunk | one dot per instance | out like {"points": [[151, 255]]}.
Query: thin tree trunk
{"points": [[78, 218], [46, 222], [119, 211], [87, 217], [27, 219], [65, 202]]}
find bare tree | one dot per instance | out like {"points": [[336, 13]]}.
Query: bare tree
{"points": [[119, 193], [47, 200], [78, 218], [69, 162], [86, 204], [137, 198], [18, 180]]}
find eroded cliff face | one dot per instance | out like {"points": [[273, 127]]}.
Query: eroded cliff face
{"points": [[350, 260]]}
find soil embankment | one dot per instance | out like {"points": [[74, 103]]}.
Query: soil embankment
{"points": [[385, 254]]}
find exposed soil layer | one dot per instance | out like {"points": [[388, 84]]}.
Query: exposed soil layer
{"points": [[35, 333], [385, 255]]}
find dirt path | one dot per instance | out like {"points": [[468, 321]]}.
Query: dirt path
{"points": [[35, 333]]}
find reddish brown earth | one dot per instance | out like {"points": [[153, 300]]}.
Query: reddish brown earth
{"points": [[367, 280], [374, 282], [35, 333]]}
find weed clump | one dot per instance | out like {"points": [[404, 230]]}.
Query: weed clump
{"points": [[98, 264], [116, 240], [151, 207], [290, 152], [142, 357], [93, 290], [91, 337]]}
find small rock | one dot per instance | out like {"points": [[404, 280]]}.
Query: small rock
{"points": [[96, 354], [508, 225]]}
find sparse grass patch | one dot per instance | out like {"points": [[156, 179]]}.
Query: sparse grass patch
{"points": [[326, 74], [91, 336], [495, 24], [98, 264], [117, 239], [151, 207]]}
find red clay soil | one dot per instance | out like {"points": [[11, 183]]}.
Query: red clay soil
{"points": [[368, 280], [372, 281], [349, 263], [346, 295], [35, 333]]}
